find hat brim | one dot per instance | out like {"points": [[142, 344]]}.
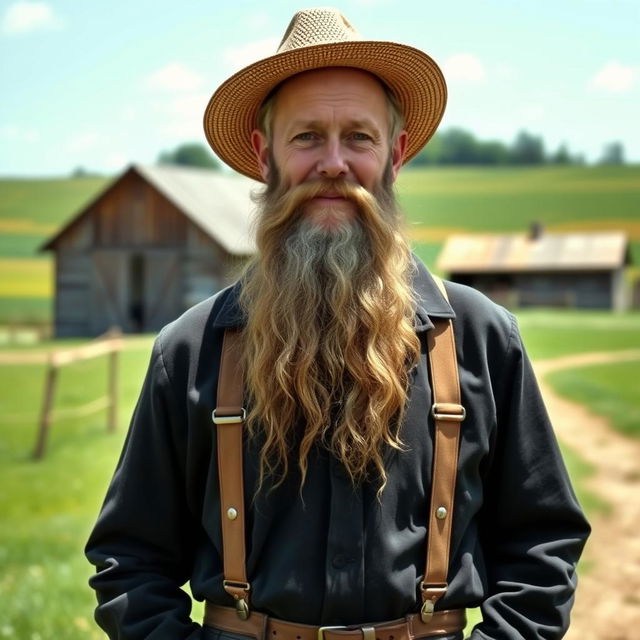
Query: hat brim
{"points": [[413, 77]]}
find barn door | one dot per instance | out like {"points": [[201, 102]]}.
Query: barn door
{"points": [[109, 284], [162, 288]]}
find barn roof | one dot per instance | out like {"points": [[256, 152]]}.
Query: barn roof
{"points": [[220, 204], [483, 253]]}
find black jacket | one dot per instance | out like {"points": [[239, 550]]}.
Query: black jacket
{"points": [[335, 554]]}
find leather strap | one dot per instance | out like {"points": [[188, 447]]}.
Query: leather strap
{"points": [[448, 413], [260, 626], [229, 418]]}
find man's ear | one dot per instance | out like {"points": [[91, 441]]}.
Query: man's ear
{"points": [[261, 149], [398, 152]]}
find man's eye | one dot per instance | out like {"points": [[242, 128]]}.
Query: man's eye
{"points": [[360, 136], [306, 135]]}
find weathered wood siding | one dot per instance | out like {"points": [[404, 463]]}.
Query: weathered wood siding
{"points": [[582, 290], [134, 260], [73, 288]]}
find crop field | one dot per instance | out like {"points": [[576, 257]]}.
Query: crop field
{"points": [[437, 202]]}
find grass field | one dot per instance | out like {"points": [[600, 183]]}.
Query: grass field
{"points": [[49, 507], [438, 201], [549, 334]]}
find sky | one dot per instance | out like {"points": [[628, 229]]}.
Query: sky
{"points": [[99, 85]]}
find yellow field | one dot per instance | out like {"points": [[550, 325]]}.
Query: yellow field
{"points": [[26, 278], [25, 225]]}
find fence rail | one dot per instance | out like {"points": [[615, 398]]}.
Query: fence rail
{"points": [[110, 344]]}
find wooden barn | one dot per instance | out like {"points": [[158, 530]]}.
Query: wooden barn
{"points": [[157, 240], [580, 270]]}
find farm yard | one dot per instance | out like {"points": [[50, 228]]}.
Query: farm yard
{"points": [[589, 363]]}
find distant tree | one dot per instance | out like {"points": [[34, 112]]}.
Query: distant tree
{"points": [[527, 149], [492, 152], [82, 172], [458, 147], [431, 154], [190, 154], [561, 156], [612, 154]]}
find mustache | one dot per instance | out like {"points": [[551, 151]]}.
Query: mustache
{"points": [[286, 206]]}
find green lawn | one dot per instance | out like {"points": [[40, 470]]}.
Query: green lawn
{"points": [[509, 199], [548, 334], [49, 507]]}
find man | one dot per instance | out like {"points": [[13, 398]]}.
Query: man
{"points": [[334, 470]]}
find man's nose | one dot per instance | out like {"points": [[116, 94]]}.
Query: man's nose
{"points": [[332, 162]]}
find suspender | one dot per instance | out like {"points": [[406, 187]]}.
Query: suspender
{"points": [[448, 413]]}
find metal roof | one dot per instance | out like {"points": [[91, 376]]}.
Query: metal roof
{"points": [[220, 204], [483, 253]]}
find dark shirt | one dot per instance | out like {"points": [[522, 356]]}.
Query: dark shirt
{"points": [[333, 553]]}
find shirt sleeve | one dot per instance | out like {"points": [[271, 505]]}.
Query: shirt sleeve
{"points": [[533, 530], [142, 542]]}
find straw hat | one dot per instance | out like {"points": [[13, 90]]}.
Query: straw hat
{"points": [[317, 38]]}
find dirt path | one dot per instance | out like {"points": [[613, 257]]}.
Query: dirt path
{"points": [[608, 599]]}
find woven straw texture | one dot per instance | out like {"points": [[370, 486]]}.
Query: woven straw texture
{"points": [[412, 75]]}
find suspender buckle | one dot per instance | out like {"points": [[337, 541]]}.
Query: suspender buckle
{"points": [[241, 417], [430, 595], [240, 592], [446, 411]]}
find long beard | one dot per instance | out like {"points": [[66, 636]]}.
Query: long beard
{"points": [[329, 338]]}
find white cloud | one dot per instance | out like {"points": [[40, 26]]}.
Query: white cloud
{"points": [[189, 106], [22, 17], [174, 77], [16, 134], [240, 56], [464, 68], [614, 78]]}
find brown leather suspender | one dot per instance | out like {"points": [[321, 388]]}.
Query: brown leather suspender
{"points": [[229, 416], [447, 412]]}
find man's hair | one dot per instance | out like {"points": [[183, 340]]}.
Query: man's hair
{"points": [[329, 341], [396, 118]]}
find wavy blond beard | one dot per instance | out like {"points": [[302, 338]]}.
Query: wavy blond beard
{"points": [[329, 339]]}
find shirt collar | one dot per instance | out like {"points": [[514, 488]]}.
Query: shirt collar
{"points": [[429, 302]]}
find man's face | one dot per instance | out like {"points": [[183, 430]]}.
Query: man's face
{"points": [[330, 124]]}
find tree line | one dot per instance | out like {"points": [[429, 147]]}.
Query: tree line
{"points": [[456, 146], [452, 146]]}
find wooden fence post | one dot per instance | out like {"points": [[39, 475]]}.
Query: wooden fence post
{"points": [[47, 412]]}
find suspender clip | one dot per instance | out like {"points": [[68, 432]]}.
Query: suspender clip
{"points": [[430, 595], [446, 411], [234, 419]]}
